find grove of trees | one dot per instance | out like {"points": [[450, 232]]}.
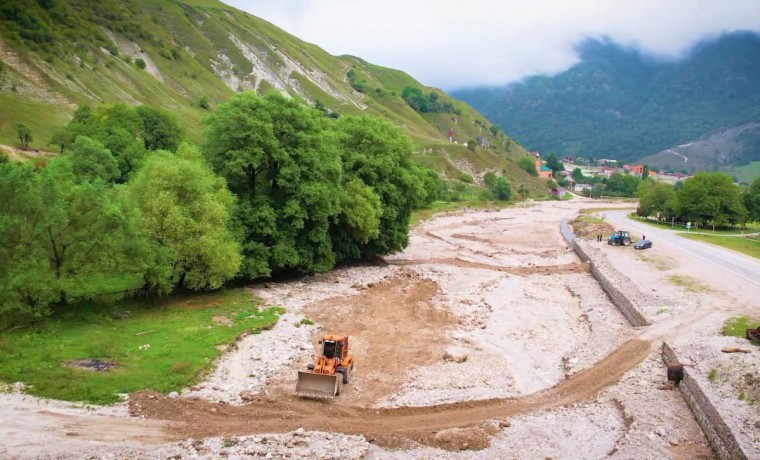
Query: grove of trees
{"points": [[707, 199], [277, 187], [429, 102]]}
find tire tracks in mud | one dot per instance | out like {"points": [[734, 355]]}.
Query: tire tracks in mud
{"points": [[395, 427]]}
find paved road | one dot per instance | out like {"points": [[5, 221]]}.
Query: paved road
{"points": [[740, 265]]}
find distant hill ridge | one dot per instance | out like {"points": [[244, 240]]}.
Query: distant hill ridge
{"points": [[622, 104]]}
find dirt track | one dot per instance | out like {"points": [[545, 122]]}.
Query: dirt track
{"points": [[388, 427]]}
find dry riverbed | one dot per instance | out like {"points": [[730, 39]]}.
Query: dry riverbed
{"points": [[486, 338]]}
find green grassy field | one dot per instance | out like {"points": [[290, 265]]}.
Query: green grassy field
{"points": [[737, 327], [163, 345], [474, 201], [748, 246], [746, 173], [40, 117]]}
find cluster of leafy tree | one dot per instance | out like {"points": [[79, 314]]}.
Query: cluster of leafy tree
{"points": [[280, 187], [319, 105], [73, 225], [618, 102], [499, 186], [357, 83], [752, 201], [128, 133], [425, 103], [705, 199], [619, 184], [313, 191]]}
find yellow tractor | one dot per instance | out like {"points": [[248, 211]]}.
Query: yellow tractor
{"points": [[324, 378]]}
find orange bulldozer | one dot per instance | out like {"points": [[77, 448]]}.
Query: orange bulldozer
{"points": [[324, 378]]}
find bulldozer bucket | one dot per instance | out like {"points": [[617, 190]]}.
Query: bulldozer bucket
{"points": [[322, 386]]}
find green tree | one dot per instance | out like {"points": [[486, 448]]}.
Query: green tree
{"points": [[577, 176], [711, 198], [64, 237], [529, 165], [186, 210], [61, 138], [655, 197], [501, 189], [553, 163], [380, 155], [358, 221], [90, 161], [140, 63], [26, 284], [752, 200], [24, 134], [278, 158], [622, 185], [118, 127], [432, 183], [489, 178], [160, 129]]}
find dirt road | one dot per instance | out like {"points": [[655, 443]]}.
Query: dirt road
{"points": [[388, 427]]}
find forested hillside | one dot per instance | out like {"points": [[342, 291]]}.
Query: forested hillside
{"points": [[190, 56], [156, 147], [618, 103]]}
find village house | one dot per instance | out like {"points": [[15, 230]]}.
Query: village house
{"points": [[543, 171]]}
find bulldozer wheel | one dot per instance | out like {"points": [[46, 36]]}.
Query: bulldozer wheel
{"points": [[347, 375], [340, 388]]}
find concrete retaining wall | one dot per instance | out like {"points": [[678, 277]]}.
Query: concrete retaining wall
{"points": [[721, 439]]}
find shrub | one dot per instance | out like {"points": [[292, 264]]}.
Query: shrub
{"points": [[464, 177], [490, 178], [529, 165], [139, 62], [111, 47], [501, 189]]}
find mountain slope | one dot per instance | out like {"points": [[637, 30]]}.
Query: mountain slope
{"points": [[619, 103], [188, 56]]}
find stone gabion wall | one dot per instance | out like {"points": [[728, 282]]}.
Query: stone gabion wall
{"points": [[720, 436], [722, 440], [631, 313]]}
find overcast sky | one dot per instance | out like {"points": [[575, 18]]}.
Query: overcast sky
{"points": [[452, 44]]}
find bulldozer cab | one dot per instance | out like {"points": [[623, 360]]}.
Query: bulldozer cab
{"points": [[623, 234], [334, 347], [331, 349]]}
